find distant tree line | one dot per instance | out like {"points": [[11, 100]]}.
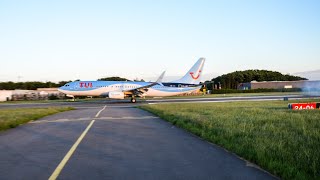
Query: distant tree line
{"points": [[232, 80], [33, 85], [116, 78]]}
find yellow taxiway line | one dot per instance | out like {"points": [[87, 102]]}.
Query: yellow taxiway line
{"points": [[66, 158]]}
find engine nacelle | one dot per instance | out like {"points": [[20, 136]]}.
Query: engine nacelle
{"points": [[116, 95]]}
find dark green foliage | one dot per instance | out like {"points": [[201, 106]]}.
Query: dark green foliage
{"points": [[114, 78], [232, 80], [141, 80]]}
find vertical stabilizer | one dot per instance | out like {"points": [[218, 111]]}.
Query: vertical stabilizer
{"points": [[193, 76]]}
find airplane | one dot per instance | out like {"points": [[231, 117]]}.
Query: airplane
{"points": [[122, 89]]}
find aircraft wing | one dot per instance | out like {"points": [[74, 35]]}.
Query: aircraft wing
{"points": [[143, 89]]}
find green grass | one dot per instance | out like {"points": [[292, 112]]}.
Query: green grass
{"points": [[282, 141], [10, 118], [231, 95]]}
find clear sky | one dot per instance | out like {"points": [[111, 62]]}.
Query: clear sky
{"points": [[68, 40]]}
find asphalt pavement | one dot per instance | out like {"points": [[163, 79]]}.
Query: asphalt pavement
{"points": [[126, 102], [114, 141]]}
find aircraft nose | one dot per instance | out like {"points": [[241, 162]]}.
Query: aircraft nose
{"points": [[60, 89]]}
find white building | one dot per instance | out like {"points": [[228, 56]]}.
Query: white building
{"points": [[6, 95], [39, 94]]}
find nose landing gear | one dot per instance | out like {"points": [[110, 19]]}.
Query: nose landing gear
{"points": [[133, 100]]}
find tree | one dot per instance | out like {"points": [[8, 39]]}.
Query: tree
{"points": [[137, 80], [61, 83], [114, 78]]}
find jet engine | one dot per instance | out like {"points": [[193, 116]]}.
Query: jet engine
{"points": [[116, 95]]}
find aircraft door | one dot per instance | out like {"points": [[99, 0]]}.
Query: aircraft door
{"points": [[76, 86]]}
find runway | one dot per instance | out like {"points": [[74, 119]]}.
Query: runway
{"points": [[113, 141], [126, 102]]}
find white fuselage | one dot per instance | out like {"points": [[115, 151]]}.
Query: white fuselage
{"points": [[98, 88]]}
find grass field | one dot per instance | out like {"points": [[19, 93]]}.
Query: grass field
{"points": [[10, 118], [238, 95], [282, 141]]}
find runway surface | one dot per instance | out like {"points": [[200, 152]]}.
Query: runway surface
{"points": [[111, 139], [114, 140], [126, 102], [103, 141], [122, 143]]}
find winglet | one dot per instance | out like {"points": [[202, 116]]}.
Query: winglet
{"points": [[150, 85], [159, 80]]}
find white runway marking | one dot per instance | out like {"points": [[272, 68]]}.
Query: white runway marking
{"points": [[61, 120], [88, 119], [84, 107]]}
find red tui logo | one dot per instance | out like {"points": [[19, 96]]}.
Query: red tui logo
{"points": [[193, 77], [85, 85]]}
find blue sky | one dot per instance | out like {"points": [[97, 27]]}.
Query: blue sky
{"points": [[68, 40]]}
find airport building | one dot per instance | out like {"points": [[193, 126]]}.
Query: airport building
{"points": [[305, 84], [5, 95], [39, 94]]}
